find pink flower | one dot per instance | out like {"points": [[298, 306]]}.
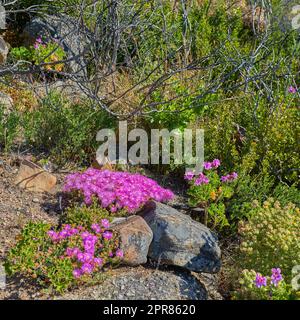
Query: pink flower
{"points": [[87, 268], [53, 235], [230, 177], [39, 39], [216, 163], [96, 228], [189, 175], [105, 223], [69, 252], [207, 165], [107, 235], [202, 179], [119, 253], [276, 276], [292, 90], [260, 281], [77, 273], [98, 261]]}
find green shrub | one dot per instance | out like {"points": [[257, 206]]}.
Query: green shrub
{"points": [[50, 258], [34, 256], [247, 290], [9, 124], [285, 194], [67, 132], [210, 192], [85, 215], [40, 53], [271, 238], [21, 53]]}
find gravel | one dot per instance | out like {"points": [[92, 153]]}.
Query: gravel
{"points": [[143, 283]]}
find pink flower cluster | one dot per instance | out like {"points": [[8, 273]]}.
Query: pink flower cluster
{"points": [[202, 179], [229, 177], [66, 232], [116, 190], [292, 90], [38, 42], [212, 165], [86, 257], [276, 277]]}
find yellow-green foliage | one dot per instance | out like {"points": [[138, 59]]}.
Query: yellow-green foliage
{"points": [[271, 238], [85, 216]]}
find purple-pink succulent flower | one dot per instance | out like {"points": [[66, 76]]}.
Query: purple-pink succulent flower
{"points": [[216, 163], [116, 190], [276, 276], [119, 253], [202, 179], [189, 175], [260, 281], [107, 235], [105, 223]]}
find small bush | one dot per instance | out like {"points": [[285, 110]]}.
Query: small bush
{"points": [[66, 132], [9, 124], [271, 238], [209, 191], [86, 216], [63, 258], [50, 52]]}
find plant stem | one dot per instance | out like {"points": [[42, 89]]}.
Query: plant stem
{"points": [[205, 216]]}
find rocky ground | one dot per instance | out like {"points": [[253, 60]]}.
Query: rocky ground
{"points": [[149, 281]]}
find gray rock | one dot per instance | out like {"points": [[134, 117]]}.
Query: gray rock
{"points": [[66, 30], [178, 240]]}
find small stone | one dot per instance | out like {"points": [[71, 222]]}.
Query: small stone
{"points": [[33, 178], [135, 236], [35, 200]]}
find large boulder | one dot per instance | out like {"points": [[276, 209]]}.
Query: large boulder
{"points": [[34, 178], [136, 237], [66, 31], [178, 240]]}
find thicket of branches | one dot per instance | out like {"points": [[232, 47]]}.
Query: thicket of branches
{"points": [[144, 48]]}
